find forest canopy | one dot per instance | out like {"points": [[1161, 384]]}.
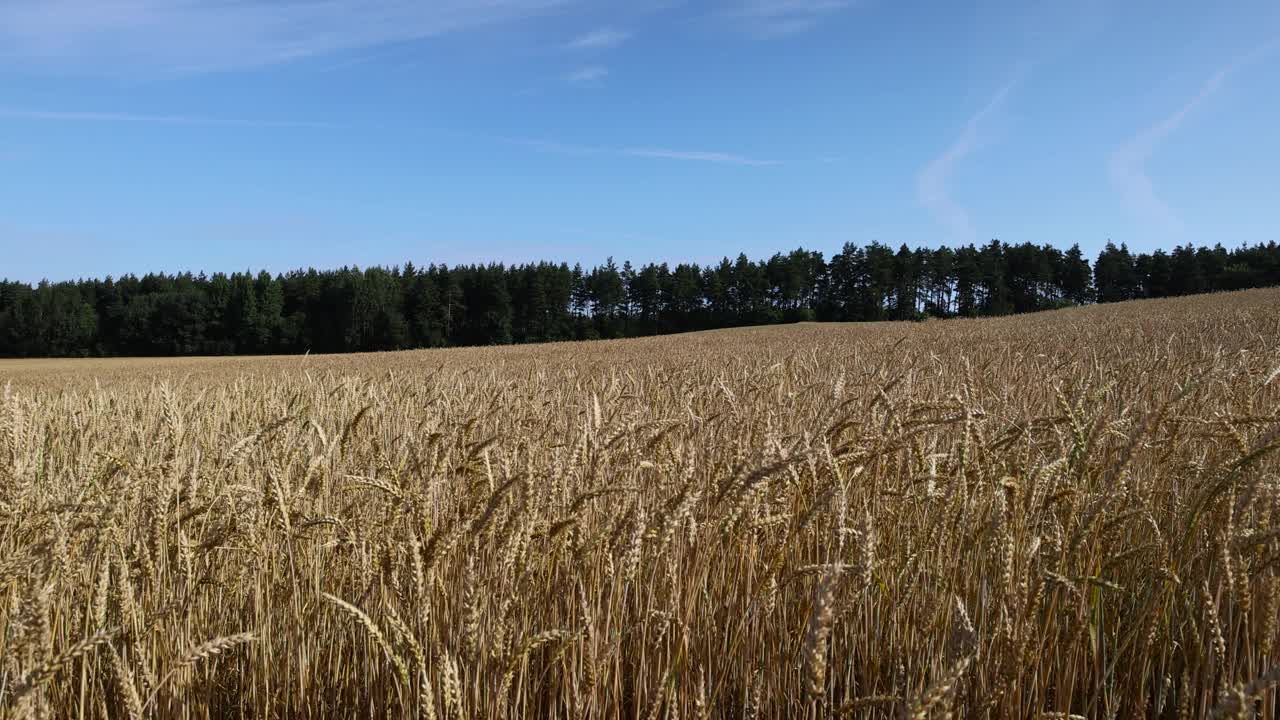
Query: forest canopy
{"points": [[377, 308]]}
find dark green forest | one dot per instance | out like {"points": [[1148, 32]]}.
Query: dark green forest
{"points": [[378, 308]]}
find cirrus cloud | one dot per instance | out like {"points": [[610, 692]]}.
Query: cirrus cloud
{"points": [[1127, 165], [932, 184], [599, 39], [588, 75], [104, 36]]}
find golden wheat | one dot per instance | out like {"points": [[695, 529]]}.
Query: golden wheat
{"points": [[1070, 514]]}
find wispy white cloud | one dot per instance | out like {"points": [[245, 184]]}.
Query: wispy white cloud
{"points": [[1126, 166], [588, 75], [77, 116], [784, 17], [695, 155], [656, 153], [105, 36], [932, 183], [599, 39]]}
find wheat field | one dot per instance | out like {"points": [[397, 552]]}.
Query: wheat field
{"points": [[1069, 514]]}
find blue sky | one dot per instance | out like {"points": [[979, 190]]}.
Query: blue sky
{"points": [[143, 135]]}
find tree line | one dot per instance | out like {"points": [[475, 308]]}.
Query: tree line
{"points": [[377, 308]]}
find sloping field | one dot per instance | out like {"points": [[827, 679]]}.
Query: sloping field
{"points": [[1071, 512]]}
